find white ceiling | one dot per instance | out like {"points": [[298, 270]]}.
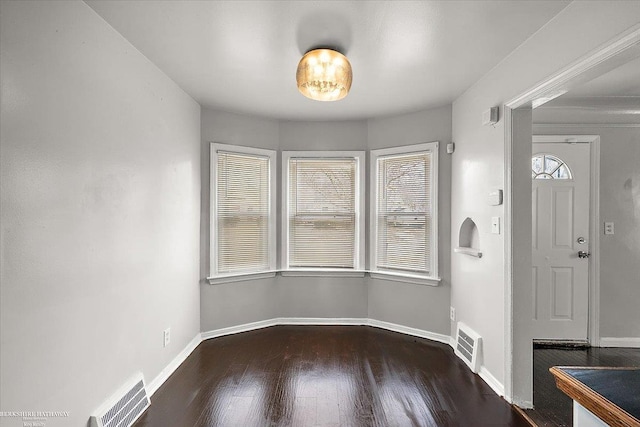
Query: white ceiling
{"points": [[242, 56]]}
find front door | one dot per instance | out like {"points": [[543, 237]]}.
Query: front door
{"points": [[560, 209]]}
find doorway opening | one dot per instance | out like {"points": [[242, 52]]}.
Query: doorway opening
{"points": [[519, 219]]}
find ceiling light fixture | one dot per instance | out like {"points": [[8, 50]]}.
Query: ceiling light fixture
{"points": [[324, 75]]}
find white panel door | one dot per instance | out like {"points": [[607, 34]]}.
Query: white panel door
{"points": [[560, 208]]}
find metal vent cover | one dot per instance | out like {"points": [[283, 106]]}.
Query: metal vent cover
{"points": [[124, 407], [467, 346]]}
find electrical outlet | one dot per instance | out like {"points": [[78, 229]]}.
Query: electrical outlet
{"points": [[608, 228], [452, 314], [167, 336]]}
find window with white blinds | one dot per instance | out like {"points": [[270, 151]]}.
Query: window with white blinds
{"points": [[242, 223], [404, 210], [323, 225]]}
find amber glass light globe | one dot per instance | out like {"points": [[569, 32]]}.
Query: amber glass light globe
{"points": [[324, 75]]}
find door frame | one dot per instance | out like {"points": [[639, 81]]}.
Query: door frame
{"points": [[517, 113], [593, 315]]}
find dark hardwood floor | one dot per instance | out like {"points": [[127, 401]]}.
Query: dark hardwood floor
{"points": [[551, 406], [325, 376]]}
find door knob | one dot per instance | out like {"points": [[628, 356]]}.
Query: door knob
{"points": [[583, 254]]}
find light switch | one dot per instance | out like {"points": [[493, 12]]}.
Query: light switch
{"points": [[608, 228], [495, 225]]}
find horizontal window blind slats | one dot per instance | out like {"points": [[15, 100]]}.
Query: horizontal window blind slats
{"points": [[242, 201], [322, 205], [404, 212]]}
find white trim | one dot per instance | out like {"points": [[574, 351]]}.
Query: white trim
{"points": [[213, 208], [240, 277], [335, 321], [433, 336], [578, 139], [322, 273], [313, 272], [627, 342], [594, 232], [586, 125], [610, 110], [452, 342], [597, 104], [468, 251], [359, 241], [238, 328], [404, 277], [433, 148], [155, 384], [557, 84], [508, 254], [492, 382]]}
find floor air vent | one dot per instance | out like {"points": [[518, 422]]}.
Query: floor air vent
{"points": [[468, 346], [124, 407]]}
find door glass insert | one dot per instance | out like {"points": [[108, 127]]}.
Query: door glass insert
{"points": [[546, 166]]}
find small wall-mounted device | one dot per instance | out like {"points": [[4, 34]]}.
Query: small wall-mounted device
{"points": [[490, 116], [451, 147], [609, 228], [495, 198], [495, 225]]}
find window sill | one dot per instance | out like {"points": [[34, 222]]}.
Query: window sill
{"points": [[407, 278], [381, 275], [322, 273], [216, 280]]}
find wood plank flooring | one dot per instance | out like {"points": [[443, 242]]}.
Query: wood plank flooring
{"points": [[325, 376], [551, 406]]}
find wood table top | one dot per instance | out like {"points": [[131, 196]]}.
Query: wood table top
{"points": [[612, 394]]}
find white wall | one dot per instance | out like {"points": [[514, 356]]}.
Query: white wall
{"points": [[478, 165], [418, 306], [100, 180], [619, 203]]}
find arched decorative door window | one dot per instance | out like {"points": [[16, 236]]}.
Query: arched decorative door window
{"points": [[546, 166]]}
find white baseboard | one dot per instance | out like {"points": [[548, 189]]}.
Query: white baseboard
{"points": [[446, 339], [155, 384], [492, 382], [322, 321], [433, 336], [628, 342], [239, 328], [282, 321]]}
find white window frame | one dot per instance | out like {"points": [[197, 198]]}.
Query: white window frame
{"points": [[214, 277], [359, 243], [432, 279]]}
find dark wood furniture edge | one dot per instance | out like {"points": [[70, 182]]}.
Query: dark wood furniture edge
{"points": [[603, 408]]}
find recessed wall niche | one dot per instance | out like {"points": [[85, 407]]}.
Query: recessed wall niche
{"points": [[469, 239]]}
